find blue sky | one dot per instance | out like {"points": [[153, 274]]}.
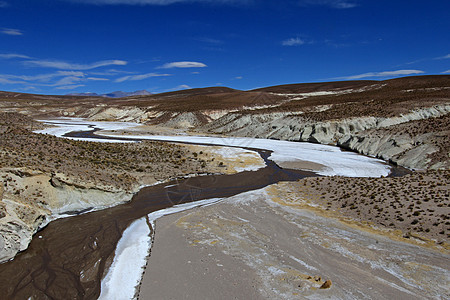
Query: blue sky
{"points": [[66, 46]]}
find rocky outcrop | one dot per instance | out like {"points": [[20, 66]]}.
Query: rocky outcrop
{"points": [[125, 114], [294, 126], [400, 149], [30, 199], [185, 120], [365, 135]]}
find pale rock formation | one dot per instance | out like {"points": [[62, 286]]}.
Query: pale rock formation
{"points": [[357, 134], [31, 199], [183, 120], [125, 114]]}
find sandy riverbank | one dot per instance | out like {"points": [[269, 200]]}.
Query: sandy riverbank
{"points": [[252, 247]]}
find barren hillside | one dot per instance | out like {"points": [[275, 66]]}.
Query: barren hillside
{"points": [[339, 113]]}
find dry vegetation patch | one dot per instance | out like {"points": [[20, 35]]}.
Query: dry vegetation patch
{"points": [[110, 164], [418, 204], [383, 99]]}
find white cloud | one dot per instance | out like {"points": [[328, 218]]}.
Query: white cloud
{"points": [[111, 72], [13, 55], [97, 79], [443, 57], [446, 72], [70, 73], [69, 87], [339, 4], [30, 88], [9, 81], [382, 74], [69, 80], [180, 87], [63, 78], [11, 31], [183, 64], [238, 77], [209, 41], [43, 77], [140, 77], [158, 2], [6, 78], [70, 66], [59, 79], [293, 42]]}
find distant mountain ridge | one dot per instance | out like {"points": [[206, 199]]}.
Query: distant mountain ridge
{"points": [[116, 94]]}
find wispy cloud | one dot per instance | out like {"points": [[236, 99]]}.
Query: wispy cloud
{"points": [[70, 73], [111, 72], [177, 88], [293, 42], [426, 59], [11, 31], [140, 77], [68, 80], [339, 4], [4, 80], [443, 57], [30, 88], [57, 79], [71, 66], [43, 77], [183, 64], [382, 74], [69, 87], [446, 72], [159, 2], [209, 41], [3, 4], [97, 79], [13, 55]]}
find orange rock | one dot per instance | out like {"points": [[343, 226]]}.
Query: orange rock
{"points": [[326, 284]]}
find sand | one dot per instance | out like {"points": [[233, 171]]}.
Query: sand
{"points": [[251, 247], [180, 270]]}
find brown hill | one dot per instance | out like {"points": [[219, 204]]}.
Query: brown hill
{"points": [[384, 99], [316, 87]]}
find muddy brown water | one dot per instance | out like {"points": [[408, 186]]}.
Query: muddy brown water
{"points": [[70, 256]]}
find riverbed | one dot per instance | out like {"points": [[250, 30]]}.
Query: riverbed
{"points": [[70, 256]]}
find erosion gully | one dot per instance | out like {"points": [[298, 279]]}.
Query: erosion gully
{"points": [[69, 257]]}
